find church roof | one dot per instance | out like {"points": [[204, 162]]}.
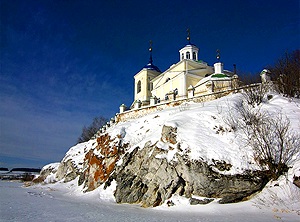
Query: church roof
{"points": [[219, 75], [151, 67], [190, 44]]}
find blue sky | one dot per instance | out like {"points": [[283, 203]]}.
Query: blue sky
{"points": [[65, 62]]}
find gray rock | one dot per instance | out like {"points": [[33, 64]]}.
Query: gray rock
{"points": [[67, 170], [296, 181], [169, 134], [145, 178], [150, 181], [170, 203], [194, 201]]}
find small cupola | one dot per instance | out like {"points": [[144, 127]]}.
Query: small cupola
{"points": [[190, 51], [219, 66]]}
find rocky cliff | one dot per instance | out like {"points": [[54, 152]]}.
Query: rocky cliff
{"points": [[188, 152]]}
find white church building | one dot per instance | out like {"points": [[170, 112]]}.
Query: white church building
{"points": [[188, 78]]}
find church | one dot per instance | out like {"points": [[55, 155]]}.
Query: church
{"points": [[188, 78]]}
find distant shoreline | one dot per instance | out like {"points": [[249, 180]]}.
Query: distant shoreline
{"points": [[20, 174]]}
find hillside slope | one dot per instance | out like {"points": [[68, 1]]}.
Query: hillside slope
{"points": [[189, 150]]}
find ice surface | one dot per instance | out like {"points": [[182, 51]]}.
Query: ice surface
{"points": [[59, 203]]}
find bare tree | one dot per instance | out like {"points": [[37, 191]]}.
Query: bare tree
{"points": [[286, 73], [274, 143], [271, 138], [248, 78], [89, 132], [241, 114], [254, 94]]}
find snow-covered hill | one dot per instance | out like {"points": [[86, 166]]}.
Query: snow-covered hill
{"points": [[188, 151]]}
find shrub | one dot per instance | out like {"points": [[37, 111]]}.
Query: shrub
{"points": [[271, 138], [254, 94], [274, 143], [91, 130]]}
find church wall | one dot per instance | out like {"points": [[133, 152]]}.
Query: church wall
{"points": [[192, 81], [203, 89], [213, 86], [145, 76], [158, 83], [222, 85], [177, 68], [170, 86], [202, 72], [161, 87], [143, 94], [137, 113]]}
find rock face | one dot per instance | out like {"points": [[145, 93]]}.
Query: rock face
{"points": [[149, 181], [100, 162], [149, 176], [67, 171], [190, 151], [46, 171]]}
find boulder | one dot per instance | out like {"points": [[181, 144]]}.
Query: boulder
{"points": [[169, 134], [195, 201]]}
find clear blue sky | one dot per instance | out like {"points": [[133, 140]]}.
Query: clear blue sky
{"points": [[65, 62]]}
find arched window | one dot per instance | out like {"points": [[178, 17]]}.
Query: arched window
{"points": [[188, 55], [139, 87], [149, 84], [182, 56], [194, 55]]}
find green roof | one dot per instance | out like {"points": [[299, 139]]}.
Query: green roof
{"points": [[219, 75]]}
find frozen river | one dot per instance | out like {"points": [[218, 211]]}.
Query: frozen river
{"points": [[47, 204]]}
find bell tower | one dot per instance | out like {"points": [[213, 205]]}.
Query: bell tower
{"points": [[190, 51], [142, 81]]}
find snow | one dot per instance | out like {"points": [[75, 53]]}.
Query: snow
{"points": [[202, 134], [64, 202], [52, 167], [77, 153]]}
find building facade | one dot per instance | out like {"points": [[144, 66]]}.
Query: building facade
{"points": [[187, 78]]}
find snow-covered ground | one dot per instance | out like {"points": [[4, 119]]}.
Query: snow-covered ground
{"points": [[61, 202], [202, 134], [202, 130]]}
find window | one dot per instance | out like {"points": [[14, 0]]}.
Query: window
{"points": [[166, 97], [188, 55], [182, 56], [176, 91], [194, 55], [167, 80], [139, 87], [148, 84]]}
